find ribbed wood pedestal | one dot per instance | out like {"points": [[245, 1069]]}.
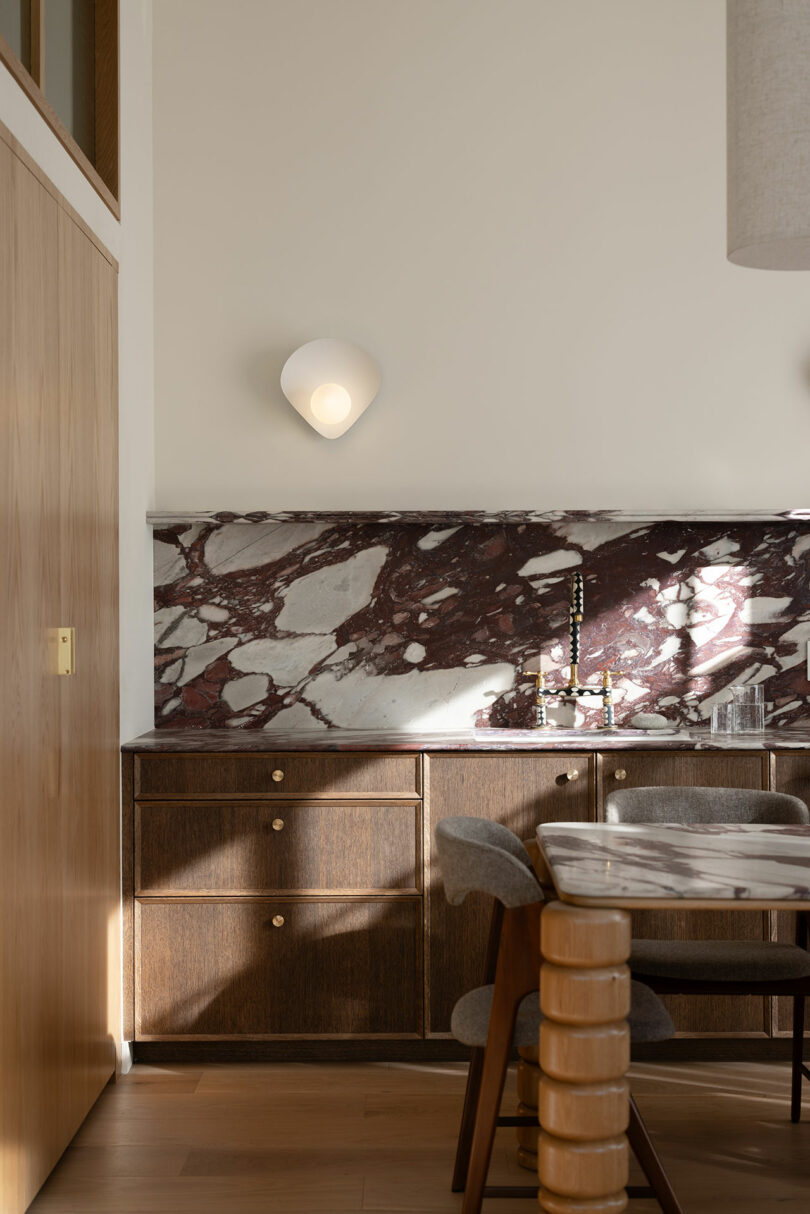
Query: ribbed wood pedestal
{"points": [[584, 1053]]}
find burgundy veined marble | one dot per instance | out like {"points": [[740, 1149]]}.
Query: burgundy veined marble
{"points": [[405, 625], [264, 741]]}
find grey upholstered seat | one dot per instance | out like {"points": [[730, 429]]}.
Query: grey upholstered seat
{"points": [[713, 960], [477, 855], [720, 960], [725, 806], [649, 1020], [717, 967], [469, 1023]]}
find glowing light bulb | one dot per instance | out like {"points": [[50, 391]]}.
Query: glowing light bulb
{"points": [[330, 403]]}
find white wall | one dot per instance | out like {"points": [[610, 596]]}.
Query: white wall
{"points": [[136, 368], [517, 206]]}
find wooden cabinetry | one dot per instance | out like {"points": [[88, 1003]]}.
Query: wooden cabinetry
{"points": [[305, 847], [696, 1015], [259, 967], [339, 847], [277, 895], [59, 812], [679, 768], [519, 790]]}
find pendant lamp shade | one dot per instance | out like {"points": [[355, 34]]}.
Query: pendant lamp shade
{"points": [[768, 84]]}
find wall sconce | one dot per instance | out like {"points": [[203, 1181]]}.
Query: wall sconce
{"points": [[330, 383], [768, 86]]}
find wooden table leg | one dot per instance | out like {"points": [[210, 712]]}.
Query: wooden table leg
{"points": [[583, 1098]]}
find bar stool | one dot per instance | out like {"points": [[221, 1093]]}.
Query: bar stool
{"points": [[724, 967], [477, 855]]}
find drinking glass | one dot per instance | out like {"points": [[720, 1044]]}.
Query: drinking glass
{"points": [[749, 708], [723, 717]]}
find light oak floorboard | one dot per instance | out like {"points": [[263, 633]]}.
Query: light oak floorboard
{"points": [[379, 1138]]}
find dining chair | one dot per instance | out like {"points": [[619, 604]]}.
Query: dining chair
{"points": [[724, 967], [480, 856]]}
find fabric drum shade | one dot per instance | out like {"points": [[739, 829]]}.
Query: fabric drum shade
{"points": [[768, 87]]}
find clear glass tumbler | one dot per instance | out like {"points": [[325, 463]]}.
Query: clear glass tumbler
{"points": [[723, 717], [749, 708]]}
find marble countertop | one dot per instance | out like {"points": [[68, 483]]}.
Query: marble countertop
{"points": [[747, 867], [180, 741], [452, 518]]}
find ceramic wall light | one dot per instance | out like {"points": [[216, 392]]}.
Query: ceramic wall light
{"points": [[330, 383]]}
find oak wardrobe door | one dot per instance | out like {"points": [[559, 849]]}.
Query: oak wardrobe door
{"points": [[59, 735], [31, 871], [89, 735]]}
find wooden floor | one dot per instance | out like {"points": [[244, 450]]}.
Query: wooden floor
{"points": [[374, 1138]]}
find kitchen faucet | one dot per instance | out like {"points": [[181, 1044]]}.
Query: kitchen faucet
{"points": [[573, 688]]}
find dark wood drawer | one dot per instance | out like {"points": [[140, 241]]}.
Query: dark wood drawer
{"points": [[247, 847], [277, 775], [710, 769], [333, 968]]}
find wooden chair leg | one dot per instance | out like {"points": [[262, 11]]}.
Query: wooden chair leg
{"points": [[496, 1060], [642, 1147], [798, 1058], [516, 976], [465, 1132]]}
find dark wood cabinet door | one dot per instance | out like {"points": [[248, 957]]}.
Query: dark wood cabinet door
{"points": [[790, 774], [231, 847], [519, 790], [679, 768], [278, 968], [695, 1015]]}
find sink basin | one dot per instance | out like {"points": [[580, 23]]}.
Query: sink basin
{"points": [[563, 733]]}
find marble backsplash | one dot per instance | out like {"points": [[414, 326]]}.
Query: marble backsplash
{"points": [[402, 625]]}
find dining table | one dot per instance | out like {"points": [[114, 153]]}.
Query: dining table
{"points": [[595, 874]]}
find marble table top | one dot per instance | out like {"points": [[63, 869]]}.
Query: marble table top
{"points": [[688, 867], [572, 740]]}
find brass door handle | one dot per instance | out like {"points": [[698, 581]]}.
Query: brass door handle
{"points": [[573, 774], [278, 824], [620, 774], [278, 775], [278, 920]]}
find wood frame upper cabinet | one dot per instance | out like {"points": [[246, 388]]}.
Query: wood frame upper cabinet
{"points": [[518, 790], [99, 159]]}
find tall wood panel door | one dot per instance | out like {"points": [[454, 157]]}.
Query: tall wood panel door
{"points": [[58, 754], [518, 790]]}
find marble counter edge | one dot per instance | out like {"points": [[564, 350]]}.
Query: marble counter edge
{"points": [[449, 518], [191, 741]]}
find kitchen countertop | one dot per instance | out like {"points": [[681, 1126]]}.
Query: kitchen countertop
{"points": [[189, 741]]}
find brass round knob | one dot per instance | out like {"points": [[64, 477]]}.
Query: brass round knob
{"points": [[620, 774], [278, 824], [573, 774], [278, 775], [278, 920]]}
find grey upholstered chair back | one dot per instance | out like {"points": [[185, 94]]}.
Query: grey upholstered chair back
{"points": [[725, 806], [479, 856]]}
